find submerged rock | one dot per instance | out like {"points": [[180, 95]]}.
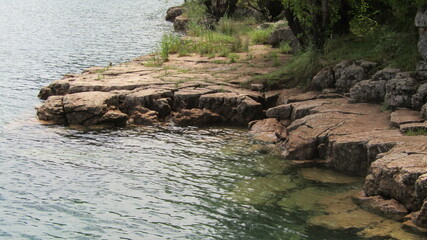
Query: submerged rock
{"points": [[261, 190], [305, 199], [327, 176]]}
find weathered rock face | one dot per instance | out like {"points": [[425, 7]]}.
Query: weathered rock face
{"points": [[420, 217], [420, 97], [92, 108], [173, 13], [280, 112], [196, 117], [395, 174], [234, 107], [52, 110], [343, 76], [348, 73], [284, 34], [268, 130], [386, 74], [323, 79], [421, 69], [399, 92], [368, 91]]}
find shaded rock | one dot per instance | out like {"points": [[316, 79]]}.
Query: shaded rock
{"points": [[145, 98], [414, 127], [196, 117], [424, 112], [85, 108], [348, 73], [389, 208], [324, 79], [404, 116], [52, 110], [59, 87], [181, 23], [399, 92], [174, 12], [189, 97], [163, 107], [420, 97], [368, 91], [327, 176], [145, 116], [386, 74], [421, 69], [268, 130], [280, 112], [422, 44], [421, 18], [420, 217], [421, 189], [284, 34], [234, 107]]}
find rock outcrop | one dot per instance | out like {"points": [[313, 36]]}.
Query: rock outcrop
{"points": [[132, 93]]}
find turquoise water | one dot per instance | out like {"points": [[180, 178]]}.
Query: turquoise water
{"points": [[132, 183]]}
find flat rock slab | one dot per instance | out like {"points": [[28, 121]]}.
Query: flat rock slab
{"points": [[404, 116]]}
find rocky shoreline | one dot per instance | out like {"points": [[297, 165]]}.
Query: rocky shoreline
{"points": [[337, 126]]}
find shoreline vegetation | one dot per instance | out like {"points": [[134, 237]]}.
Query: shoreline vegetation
{"points": [[351, 98]]}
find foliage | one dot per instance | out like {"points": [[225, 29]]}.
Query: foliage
{"points": [[260, 36], [295, 73], [418, 132]]}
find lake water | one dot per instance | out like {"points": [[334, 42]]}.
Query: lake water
{"points": [[133, 183]]}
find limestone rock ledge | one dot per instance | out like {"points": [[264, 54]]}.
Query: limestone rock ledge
{"points": [[357, 138]]}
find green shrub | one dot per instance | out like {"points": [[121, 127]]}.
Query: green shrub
{"points": [[260, 36]]}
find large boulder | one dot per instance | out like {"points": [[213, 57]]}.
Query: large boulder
{"points": [[399, 91], [323, 79], [284, 34], [348, 73], [420, 97], [386, 74], [368, 91], [280, 112], [421, 69]]}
